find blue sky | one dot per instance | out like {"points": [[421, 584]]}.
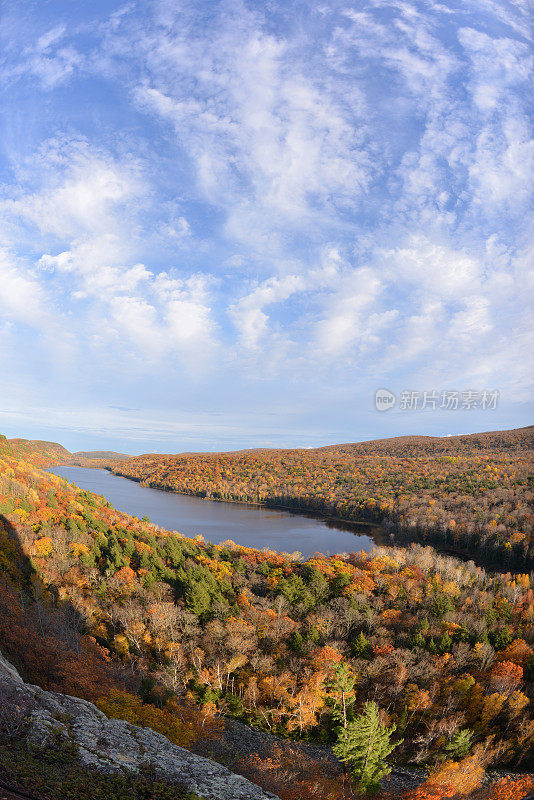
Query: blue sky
{"points": [[226, 224]]}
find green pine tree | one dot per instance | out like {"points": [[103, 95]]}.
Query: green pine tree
{"points": [[432, 647], [460, 744], [418, 640], [364, 746], [343, 685], [197, 598], [425, 626], [360, 646]]}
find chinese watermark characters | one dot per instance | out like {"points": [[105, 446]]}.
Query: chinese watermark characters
{"points": [[433, 400]]}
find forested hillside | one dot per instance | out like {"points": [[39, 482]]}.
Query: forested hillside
{"points": [[468, 494], [35, 451], [50, 454], [172, 633]]}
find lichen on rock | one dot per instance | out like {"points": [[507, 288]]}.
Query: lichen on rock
{"points": [[112, 746]]}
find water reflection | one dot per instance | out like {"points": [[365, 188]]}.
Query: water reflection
{"points": [[251, 526]]}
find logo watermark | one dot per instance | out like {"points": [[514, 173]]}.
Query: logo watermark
{"points": [[447, 400], [384, 399]]}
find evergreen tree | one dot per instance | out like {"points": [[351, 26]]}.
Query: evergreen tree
{"points": [[424, 626], [317, 584], [418, 640], [342, 688], [432, 647], [360, 646], [364, 746], [459, 745], [197, 598]]}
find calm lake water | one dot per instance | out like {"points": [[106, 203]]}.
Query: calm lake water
{"points": [[216, 522]]}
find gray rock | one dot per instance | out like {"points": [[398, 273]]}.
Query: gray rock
{"points": [[114, 746], [8, 669]]}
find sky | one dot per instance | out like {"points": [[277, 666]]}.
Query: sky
{"points": [[228, 224]]}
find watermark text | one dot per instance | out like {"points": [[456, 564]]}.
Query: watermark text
{"points": [[434, 399]]}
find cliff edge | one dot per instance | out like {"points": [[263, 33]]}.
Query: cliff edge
{"points": [[111, 746]]}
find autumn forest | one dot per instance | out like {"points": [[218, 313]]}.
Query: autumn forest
{"points": [[433, 633]]}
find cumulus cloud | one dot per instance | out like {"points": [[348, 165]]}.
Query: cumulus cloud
{"points": [[349, 310], [250, 312], [23, 299], [49, 58], [93, 201], [80, 189], [422, 266]]}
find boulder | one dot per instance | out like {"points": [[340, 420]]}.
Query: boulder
{"points": [[111, 745]]}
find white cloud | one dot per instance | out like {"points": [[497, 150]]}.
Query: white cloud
{"points": [[249, 312], [187, 313], [177, 229], [80, 189], [267, 141], [96, 264], [50, 60], [347, 320], [498, 65], [473, 321], [22, 299], [426, 267], [502, 171], [92, 202], [26, 305]]}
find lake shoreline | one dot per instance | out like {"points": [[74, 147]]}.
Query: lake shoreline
{"points": [[347, 524], [376, 533], [268, 526], [382, 539]]}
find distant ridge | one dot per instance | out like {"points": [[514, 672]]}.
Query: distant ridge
{"points": [[49, 454], [515, 437], [109, 454]]}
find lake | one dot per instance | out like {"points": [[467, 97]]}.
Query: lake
{"points": [[250, 526]]}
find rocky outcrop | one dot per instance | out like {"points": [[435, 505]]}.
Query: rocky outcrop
{"points": [[111, 745], [8, 669]]}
